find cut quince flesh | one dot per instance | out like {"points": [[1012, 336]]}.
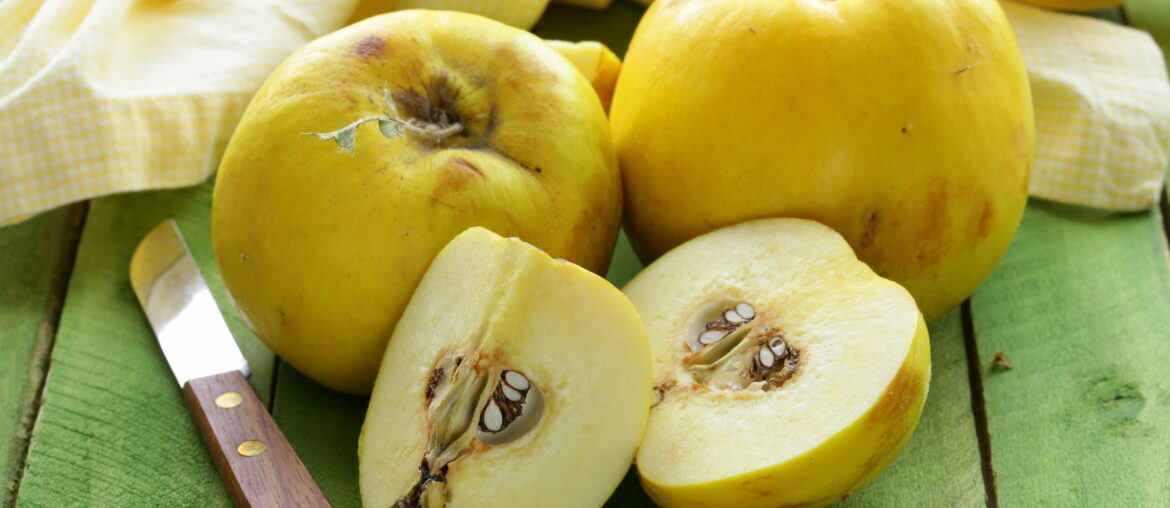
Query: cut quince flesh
{"points": [[511, 380], [786, 371]]}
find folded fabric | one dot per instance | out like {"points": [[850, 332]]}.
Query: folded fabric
{"points": [[104, 96], [1102, 103]]}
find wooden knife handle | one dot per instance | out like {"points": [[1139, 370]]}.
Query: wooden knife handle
{"points": [[257, 463]]}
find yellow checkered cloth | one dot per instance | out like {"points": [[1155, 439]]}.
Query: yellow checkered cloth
{"points": [[1102, 104], [104, 96]]}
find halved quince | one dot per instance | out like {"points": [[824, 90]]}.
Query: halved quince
{"points": [[511, 380], [786, 371]]}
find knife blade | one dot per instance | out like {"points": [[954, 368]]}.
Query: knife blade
{"points": [[255, 460]]}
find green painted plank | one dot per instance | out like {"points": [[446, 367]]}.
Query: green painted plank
{"points": [[323, 426], [35, 257], [1081, 306], [113, 429]]}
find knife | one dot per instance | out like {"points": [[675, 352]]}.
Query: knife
{"points": [[257, 463]]}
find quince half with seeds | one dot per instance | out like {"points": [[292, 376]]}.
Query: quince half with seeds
{"points": [[511, 380], [787, 373]]}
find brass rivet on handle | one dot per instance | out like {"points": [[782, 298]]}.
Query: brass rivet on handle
{"points": [[228, 400], [251, 448]]}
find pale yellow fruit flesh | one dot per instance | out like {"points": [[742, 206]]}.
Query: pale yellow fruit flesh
{"points": [[321, 248], [575, 336], [863, 370], [596, 62], [905, 125]]}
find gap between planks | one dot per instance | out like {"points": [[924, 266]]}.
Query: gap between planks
{"points": [[978, 409], [47, 337], [276, 361]]}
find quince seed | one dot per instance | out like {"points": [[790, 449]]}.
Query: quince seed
{"points": [[511, 393], [493, 418], [778, 347], [711, 336], [513, 409], [516, 379], [767, 358], [730, 315]]}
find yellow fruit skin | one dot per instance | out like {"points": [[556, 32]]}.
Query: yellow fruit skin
{"points": [[322, 249], [841, 465], [597, 62], [906, 125], [1074, 5], [518, 13]]}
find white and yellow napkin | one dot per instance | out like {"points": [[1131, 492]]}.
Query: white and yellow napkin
{"points": [[1102, 103], [104, 96]]}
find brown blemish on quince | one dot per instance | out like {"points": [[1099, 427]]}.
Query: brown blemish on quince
{"points": [[893, 415], [934, 227], [456, 174], [370, 47], [904, 390], [985, 219], [761, 487], [460, 162], [871, 220]]}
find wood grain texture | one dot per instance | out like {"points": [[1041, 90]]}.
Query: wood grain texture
{"points": [[113, 429], [36, 257], [1081, 307], [256, 462]]}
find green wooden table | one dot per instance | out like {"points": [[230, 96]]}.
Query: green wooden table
{"points": [[90, 415]]}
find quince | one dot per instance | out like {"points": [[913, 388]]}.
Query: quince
{"points": [[432, 122], [787, 372], [904, 125]]}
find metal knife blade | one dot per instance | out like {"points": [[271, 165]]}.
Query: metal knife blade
{"points": [[190, 329], [256, 461]]}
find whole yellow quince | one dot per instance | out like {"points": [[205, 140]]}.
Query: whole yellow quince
{"points": [[906, 125], [429, 123]]}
